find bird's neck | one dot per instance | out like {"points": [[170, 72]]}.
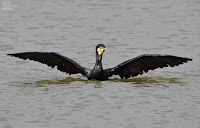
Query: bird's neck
{"points": [[98, 63]]}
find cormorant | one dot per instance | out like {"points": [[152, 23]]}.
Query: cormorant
{"points": [[129, 68]]}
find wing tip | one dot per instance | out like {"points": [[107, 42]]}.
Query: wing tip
{"points": [[14, 54], [188, 59], [10, 54]]}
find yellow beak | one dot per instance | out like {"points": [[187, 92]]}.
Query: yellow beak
{"points": [[101, 50]]}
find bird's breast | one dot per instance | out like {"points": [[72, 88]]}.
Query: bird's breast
{"points": [[96, 74]]}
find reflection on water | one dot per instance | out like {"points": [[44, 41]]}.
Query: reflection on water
{"points": [[147, 81]]}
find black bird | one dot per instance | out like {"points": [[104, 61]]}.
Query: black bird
{"points": [[129, 68]]}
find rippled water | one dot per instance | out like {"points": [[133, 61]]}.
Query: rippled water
{"points": [[34, 95]]}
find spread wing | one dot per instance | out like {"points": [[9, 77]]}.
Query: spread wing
{"points": [[144, 63], [52, 59]]}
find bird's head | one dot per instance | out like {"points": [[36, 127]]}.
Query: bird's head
{"points": [[100, 48]]}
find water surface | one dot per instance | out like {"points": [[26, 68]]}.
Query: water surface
{"points": [[34, 95]]}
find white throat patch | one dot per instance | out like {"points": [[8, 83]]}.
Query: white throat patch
{"points": [[100, 51]]}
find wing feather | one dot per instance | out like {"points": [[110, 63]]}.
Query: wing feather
{"points": [[52, 59], [144, 63]]}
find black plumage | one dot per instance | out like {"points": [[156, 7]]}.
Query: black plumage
{"points": [[52, 59], [127, 69], [144, 63]]}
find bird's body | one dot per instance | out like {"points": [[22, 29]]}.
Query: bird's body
{"points": [[129, 68]]}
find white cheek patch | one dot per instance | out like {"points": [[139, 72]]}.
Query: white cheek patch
{"points": [[100, 51]]}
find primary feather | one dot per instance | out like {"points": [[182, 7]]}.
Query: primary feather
{"points": [[52, 59], [146, 62]]}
